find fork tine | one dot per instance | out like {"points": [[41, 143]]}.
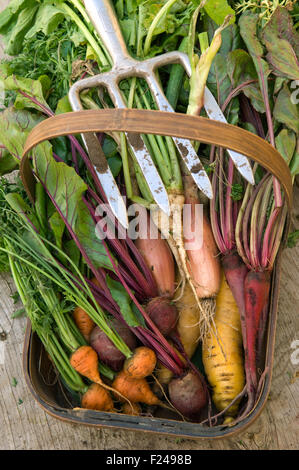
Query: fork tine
{"points": [[143, 157], [183, 146], [99, 162], [213, 111]]}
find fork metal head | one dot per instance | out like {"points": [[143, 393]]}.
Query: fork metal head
{"points": [[127, 67], [103, 17]]}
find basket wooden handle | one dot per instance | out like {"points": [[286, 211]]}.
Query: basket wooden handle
{"points": [[160, 123]]}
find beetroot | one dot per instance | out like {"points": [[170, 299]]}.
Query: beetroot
{"points": [[188, 394], [163, 313], [107, 352]]}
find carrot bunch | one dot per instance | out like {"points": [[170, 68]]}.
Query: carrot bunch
{"points": [[129, 386]]}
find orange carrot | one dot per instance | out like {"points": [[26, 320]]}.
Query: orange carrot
{"points": [[135, 390], [83, 321], [97, 398], [134, 409], [85, 361], [141, 364]]}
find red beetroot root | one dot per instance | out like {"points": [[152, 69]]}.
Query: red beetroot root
{"points": [[188, 395], [163, 313]]}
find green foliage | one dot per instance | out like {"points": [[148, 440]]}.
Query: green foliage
{"points": [[68, 200], [286, 144], [15, 126], [237, 192], [285, 111], [50, 55], [7, 162], [282, 44], [124, 302], [217, 10]]}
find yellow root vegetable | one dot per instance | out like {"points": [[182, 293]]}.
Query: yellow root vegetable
{"points": [[188, 328], [222, 353], [164, 375], [188, 325]]}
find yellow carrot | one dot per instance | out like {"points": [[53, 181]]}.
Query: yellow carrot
{"points": [[222, 353]]}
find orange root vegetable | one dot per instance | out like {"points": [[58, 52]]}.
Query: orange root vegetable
{"points": [[141, 364], [97, 398], [159, 259], [85, 361], [163, 313], [133, 409], [134, 390], [83, 321], [203, 261]]}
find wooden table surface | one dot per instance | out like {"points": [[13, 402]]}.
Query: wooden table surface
{"points": [[24, 425]]}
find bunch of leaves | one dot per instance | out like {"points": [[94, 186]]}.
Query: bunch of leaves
{"points": [[50, 58], [136, 20], [262, 64], [23, 19], [274, 51]]}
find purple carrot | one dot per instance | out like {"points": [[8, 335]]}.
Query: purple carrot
{"points": [[257, 289]]}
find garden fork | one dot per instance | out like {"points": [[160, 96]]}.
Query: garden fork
{"points": [[104, 19]]}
